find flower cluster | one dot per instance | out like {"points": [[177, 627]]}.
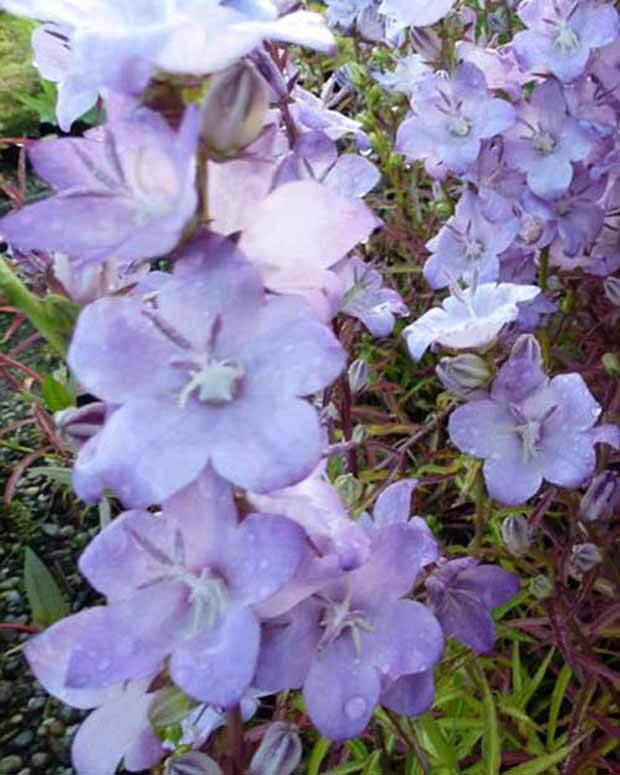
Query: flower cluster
{"points": [[213, 230]]}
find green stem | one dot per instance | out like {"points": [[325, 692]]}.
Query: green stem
{"points": [[543, 280], [33, 307]]}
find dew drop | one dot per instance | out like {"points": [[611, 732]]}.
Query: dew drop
{"points": [[104, 664], [355, 708]]}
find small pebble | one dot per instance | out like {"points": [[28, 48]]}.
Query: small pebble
{"points": [[39, 760], [23, 739], [57, 728], [10, 764], [6, 692], [36, 703]]}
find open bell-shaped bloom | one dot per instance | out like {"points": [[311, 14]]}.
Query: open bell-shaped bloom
{"points": [[191, 578], [351, 641], [206, 368], [531, 428], [561, 34]]}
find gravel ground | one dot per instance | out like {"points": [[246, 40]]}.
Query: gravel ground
{"points": [[35, 730]]}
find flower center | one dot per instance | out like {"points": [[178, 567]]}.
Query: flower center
{"points": [[474, 249], [215, 382], [532, 228], [208, 598], [531, 430], [544, 142], [338, 617], [566, 40], [459, 126]]}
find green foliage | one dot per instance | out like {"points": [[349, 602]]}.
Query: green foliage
{"points": [[47, 602], [19, 80]]}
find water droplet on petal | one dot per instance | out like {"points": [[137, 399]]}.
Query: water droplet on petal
{"points": [[104, 664], [355, 708]]}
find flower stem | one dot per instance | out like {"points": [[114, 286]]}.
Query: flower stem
{"points": [[235, 739]]}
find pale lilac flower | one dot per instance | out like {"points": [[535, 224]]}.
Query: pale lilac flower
{"points": [[203, 369], [406, 75], [546, 140], [451, 117], [531, 428], [366, 299], [77, 92], [300, 230], [470, 243], [191, 579], [345, 13], [125, 191], [316, 505], [470, 318], [310, 113], [416, 13], [461, 593], [499, 66], [118, 728], [118, 45], [601, 497], [562, 33], [350, 641]]}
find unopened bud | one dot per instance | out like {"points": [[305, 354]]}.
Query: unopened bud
{"points": [[611, 364], [280, 751], [516, 534], [541, 587], [359, 376], [192, 763], [76, 426], [463, 373], [235, 109], [612, 290], [600, 497], [584, 558]]}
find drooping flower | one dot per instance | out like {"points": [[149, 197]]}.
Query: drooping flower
{"points": [[203, 369], [531, 428], [124, 191], [366, 298], [546, 140], [351, 641], [118, 45], [406, 75], [472, 317], [461, 593], [562, 33], [451, 117], [191, 579]]}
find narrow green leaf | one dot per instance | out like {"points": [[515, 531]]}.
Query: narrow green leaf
{"points": [[531, 688], [491, 746], [55, 395], [542, 764], [358, 749], [345, 769], [557, 696], [319, 752], [373, 764], [442, 749], [517, 670], [47, 602]]}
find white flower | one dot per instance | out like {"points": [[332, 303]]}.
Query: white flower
{"points": [[468, 318]]}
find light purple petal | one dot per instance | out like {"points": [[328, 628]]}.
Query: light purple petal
{"points": [[410, 695], [341, 691], [218, 665]]}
